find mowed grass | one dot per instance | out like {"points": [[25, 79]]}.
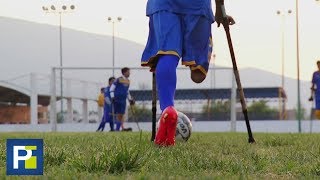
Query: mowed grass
{"points": [[204, 156]]}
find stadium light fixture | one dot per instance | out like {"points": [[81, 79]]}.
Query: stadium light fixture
{"points": [[111, 20]]}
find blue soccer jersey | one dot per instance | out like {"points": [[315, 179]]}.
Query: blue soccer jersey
{"points": [[190, 7], [120, 92], [121, 88], [107, 108], [107, 97], [316, 81]]}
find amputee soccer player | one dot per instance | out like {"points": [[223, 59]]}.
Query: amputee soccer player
{"points": [[178, 29], [316, 89], [107, 107], [119, 92]]}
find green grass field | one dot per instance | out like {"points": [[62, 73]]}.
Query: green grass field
{"points": [[205, 155]]}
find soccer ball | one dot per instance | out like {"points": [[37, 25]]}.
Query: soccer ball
{"points": [[184, 127]]}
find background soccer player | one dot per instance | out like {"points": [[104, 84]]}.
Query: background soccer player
{"points": [[107, 108], [101, 104], [178, 29], [119, 92], [315, 88]]}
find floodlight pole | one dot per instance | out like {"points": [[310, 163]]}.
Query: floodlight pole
{"points": [[61, 65], [59, 9], [53, 100], [298, 65], [113, 59], [283, 16]]}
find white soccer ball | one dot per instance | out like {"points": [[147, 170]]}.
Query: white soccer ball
{"points": [[184, 127]]}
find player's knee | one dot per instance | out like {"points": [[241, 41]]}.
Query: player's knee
{"points": [[197, 76], [166, 71], [167, 65], [120, 117]]}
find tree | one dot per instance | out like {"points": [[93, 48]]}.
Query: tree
{"points": [[260, 110], [217, 110], [217, 107], [138, 113]]}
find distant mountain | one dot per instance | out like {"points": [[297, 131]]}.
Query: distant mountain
{"points": [[27, 47], [253, 77]]}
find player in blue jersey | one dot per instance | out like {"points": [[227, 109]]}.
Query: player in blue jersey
{"points": [[107, 108], [119, 92], [315, 88], [178, 29]]}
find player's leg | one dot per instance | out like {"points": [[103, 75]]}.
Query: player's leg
{"points": [[166, 82], [168, 27], [162, 52], [101, 123], [197, 46], [123, 111], [166, 79], [120, 119], [110, 118], [118, 125], [117, 122], [317, 101], [104, 118], [120, 110], [103, 126]]}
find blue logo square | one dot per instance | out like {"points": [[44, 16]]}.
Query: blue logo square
{"points": [[24, 156]]}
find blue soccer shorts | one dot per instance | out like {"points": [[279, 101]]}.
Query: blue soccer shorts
{"points": [[120, 106], [186, 36]]}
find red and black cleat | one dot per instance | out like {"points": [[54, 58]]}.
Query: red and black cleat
{"points": [[167, 127]]}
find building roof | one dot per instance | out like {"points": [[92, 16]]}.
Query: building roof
{"points": [[11, 93], [204, 94]]}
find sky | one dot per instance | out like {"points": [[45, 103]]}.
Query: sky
{"points": [[256, 34]]}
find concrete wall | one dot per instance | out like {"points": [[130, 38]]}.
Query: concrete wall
{"points": [[287, 126], [21, 115]]}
